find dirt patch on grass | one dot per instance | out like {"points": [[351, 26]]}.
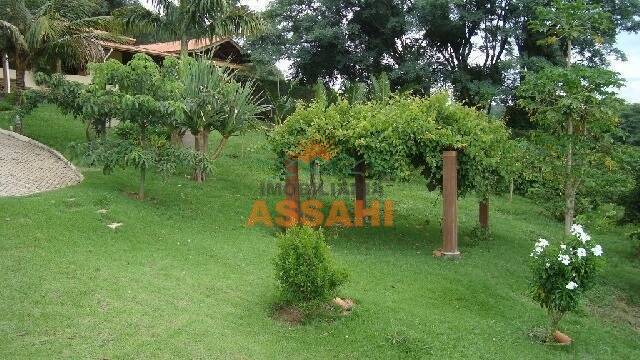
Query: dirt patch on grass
{"points": [[290, 315], [300, 314], [619, 310]]}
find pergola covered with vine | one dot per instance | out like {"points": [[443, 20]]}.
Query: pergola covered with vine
{"points": [[456, 149]]}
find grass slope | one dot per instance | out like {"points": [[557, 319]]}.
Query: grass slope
{"points": [[183, 277]]}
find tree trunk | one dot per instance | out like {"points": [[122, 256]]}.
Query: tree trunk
{"points": [[312, 179], [554, 320], [220, 147], [292, 186], [20, 74], [5, 74], [570, 205], [184, 45], [143, 172], [59, 66], [87, 131], [176, 138], [511, 186], [359, 172], [484, 213], [197, 173], [569, 186], [205, 141]]}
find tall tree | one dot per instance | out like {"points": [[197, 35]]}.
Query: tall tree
{"points": [[146, 100], [471, 38], [574, 104], [352, 40]]}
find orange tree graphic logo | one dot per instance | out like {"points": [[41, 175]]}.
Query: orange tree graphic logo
{"points": [[315, 150], [289, 212]]}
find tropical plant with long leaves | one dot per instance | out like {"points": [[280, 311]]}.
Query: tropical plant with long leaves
{"points": [[191, 19], [214, 101], [58, 31]]}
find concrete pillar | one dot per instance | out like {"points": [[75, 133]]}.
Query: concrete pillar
{"points": [[292, 184], [5, 73], [450, 204]]}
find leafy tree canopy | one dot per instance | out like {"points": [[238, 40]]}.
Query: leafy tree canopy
{"points": [[400, 134]]}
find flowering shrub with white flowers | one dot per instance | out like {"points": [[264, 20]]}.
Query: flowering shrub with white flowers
{"points": [[563, 271]]}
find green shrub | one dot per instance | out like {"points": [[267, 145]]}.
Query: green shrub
{"points": [[5, 105], [11, 98], [305, 267], [604, 217]]}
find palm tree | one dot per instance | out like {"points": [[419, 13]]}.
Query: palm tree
{"points": [[215, 101], [57, 31], [192, 19]]}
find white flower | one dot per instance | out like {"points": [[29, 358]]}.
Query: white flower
{"points": [[538, 249], [563, 246], [578, 231], [542, 243], [597, 250], [564, 259], [581, 252], [571, 285], [547, 265]]}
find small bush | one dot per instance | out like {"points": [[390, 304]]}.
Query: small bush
{"points": [[305, 267]]}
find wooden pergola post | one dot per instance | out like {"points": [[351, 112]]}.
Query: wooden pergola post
{"points": [[484, 213], [292, 184], [450, 204]]}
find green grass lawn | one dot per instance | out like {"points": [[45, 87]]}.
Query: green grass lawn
{"points": [[184, 277]]}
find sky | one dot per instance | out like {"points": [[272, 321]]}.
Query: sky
{"points": [[629, 70]]}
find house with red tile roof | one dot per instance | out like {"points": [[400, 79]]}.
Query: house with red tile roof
{"points": [[223, 52]]}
